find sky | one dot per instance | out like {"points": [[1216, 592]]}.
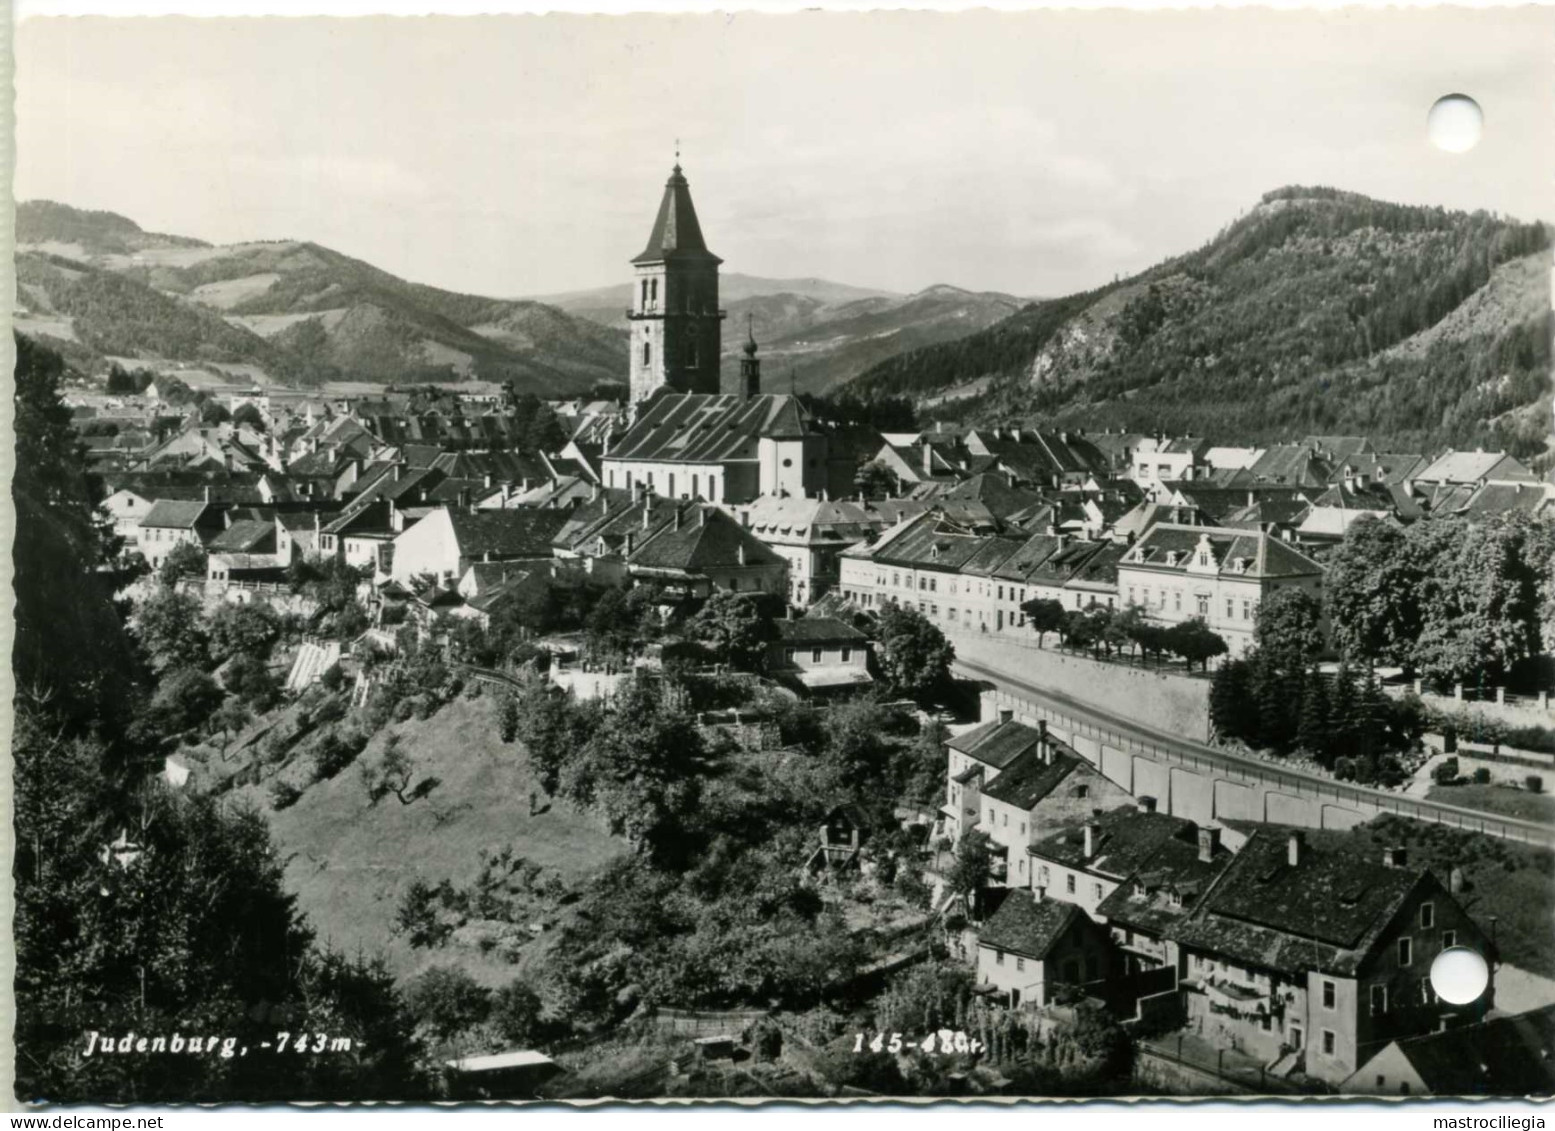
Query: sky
{"points": [[1035, 153]]}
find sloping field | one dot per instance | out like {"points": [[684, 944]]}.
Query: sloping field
{"points": [[349, 861]]}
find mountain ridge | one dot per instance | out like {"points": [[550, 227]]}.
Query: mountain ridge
{"points": [[1281, 324]]}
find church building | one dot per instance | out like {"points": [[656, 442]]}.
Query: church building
{"points": [[692, 435]]}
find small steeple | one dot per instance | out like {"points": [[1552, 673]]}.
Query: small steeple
{"points": [[750, 334], [749, 382]]}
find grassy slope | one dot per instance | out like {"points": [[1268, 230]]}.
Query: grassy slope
{"points": [[349, 862], [1500, 799]]}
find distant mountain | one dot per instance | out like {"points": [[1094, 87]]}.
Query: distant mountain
{"points": [[817, 333], [100, 287], [1320, 311]]}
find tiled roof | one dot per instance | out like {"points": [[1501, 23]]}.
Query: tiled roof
{"points": [[1100, 570], [505, 533], [707, 538], [1471, 467], [176, 513], [676, 234], [1145, 900], [930, 542], [1265, 556], [1030, 778], [997, 743], [1325, 911], [1296, 464], [1125, 841], [708, 428], [243, 537], [817, 630], [1028, 926]]}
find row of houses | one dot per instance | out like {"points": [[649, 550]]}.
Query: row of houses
{"points": [[1296, 956]]}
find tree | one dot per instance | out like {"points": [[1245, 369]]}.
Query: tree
{"points": [[515, 1011], [1372, 590], [1312, 732], [248, 413], [1044, 615], [1289, 630], [1231, 706], [875, 481], [214, 412], [417, 916], [1342, 711], [973, 862], [185, 698], [855, 747], [507, 718], [249, 629], [732, 625], [250, 679], [187, 559], [230, 718], [1194, 641], [69, 644], [913, 654], [641, 768], [447, 1001]]}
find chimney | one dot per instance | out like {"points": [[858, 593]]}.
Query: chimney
{"points": [[790, 612], [1147, 804], [1395, 857], [1006, 714], [1091, 831], [207, 493], [677, 518], [1209, 841], [1252, 499], [486, 481], [647, 512], [928, 458], [630, 539], [740, 552], [1296, 849], [594, 492]]}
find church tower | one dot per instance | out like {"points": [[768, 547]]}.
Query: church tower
{"points": [[748, 383], [676, 324]]}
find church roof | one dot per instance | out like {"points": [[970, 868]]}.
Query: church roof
{"points": [[676, 233]]}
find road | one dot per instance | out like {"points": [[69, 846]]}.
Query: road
{"points": [[1123, 731]]}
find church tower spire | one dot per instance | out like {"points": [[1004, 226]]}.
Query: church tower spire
{"points": [[748, 383], [676, 325]]}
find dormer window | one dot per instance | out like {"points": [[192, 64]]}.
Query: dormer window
{"points": [[1204, 557]]}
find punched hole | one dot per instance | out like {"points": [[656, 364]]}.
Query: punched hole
{"points": [[1455, 123], [1459, 975]]}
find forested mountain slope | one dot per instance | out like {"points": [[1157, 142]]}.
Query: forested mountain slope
{"points": [[1319, 311]]}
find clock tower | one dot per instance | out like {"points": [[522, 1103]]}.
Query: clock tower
{"points": [[676, 324]]}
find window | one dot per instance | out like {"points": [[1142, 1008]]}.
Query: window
{"points": [[1042, 875], [1229, 612], [1177, 599], [1069, 884], [1427, 992], [990, 816], [933, 585], [847, 655], [1203, 605], [1023, 828], [1379, 1000], [923, 583], [1096, 892], [1427, 916], [998, 958], [1295, 1036], [1330, 994], [1006, 820], [691, 360], [645, 292], [1082, 791], [1405, 951], [1203, 558], [1328, 1042], [1247, 610], [1449, 939], [653, 290], [1020, 964], [647, 353], [1001, 592]]}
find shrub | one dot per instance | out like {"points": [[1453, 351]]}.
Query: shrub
{"points": [[1446, 772], [1534, 783], [1482, 776], [1344, 769], [332, 678], [283, 794]]}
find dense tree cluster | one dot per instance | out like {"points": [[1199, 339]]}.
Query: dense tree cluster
{"points": [[1448, 599], [141, 909]]}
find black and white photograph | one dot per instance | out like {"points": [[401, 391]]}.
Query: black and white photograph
{"points": [[815, 556]]}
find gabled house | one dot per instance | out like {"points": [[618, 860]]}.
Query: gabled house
{"points": [[171, 523], [700, 549], [1031, 948], [819, 655], [449, 540], [1315, 959]]}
